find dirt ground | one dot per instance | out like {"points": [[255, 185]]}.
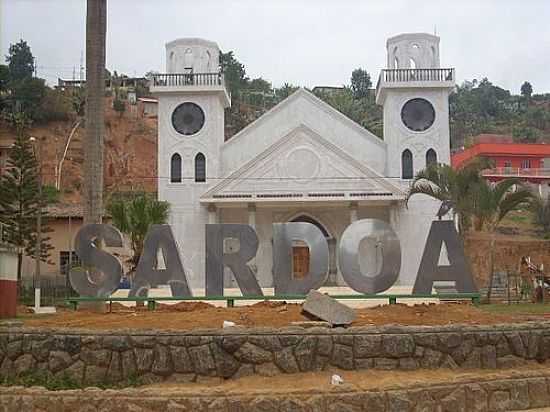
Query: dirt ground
{"points": [[353, 380], [200, 315]]}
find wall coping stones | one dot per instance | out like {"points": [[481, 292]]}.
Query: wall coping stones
{"points": [[543, 326]]}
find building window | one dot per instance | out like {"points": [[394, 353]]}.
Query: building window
{"points": [[407, 165], [526, 164], [431, 157], [68, 260], [200, 168], [175, 168]]}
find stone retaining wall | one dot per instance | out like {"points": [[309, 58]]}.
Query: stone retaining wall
{"points": [[492, 395], [154, 356]]}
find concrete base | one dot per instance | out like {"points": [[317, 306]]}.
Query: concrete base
{"points": [[43, 310]]}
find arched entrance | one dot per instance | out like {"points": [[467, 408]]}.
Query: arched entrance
{"points": [[300, 250]]}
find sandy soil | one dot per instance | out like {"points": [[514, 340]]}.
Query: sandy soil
{"points": [[353, 380], [200, 315]]}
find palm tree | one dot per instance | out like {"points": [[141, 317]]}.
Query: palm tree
{"points": [[135, 217], [444, 183], [96, 28], [490, 204]]}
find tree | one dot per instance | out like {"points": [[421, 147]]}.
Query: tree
{"points": [[119, 106], [444, 183], [490, 204], [540, 208], [526, 91], [360, 83], [285, 90], [20, 61], [234, 72], [4, 78], [96, 28], [20, 202], [135, 217]]}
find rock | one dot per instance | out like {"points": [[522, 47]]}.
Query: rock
{"points": [[311, 324], [488, 357], [367, 363], [342, 357], [449, 341], [144, 359], [143, 341], [476, 398], [509, 361], [499, 401], [244, 370], [408, 364], [97, 357], [75, 371], [253, 354], [538, 392], [94, 374], [330, 310], [226, 365], [181, 359], [431, 359], [268, 342], [398, 401], [202, 359], [72, 344], [398, 346], [162, 363], [231, 344], [284, 359], [116, 343], [114, 373], [59, 361], [473, 361], [128, 361], [324, 345], [14, 349], [516, 344], [368, 346], [24, 364], [385, 363], [267, 369], [305, 353]]}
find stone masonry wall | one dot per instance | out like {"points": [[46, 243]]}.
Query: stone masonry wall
{"points": [[155, 356], [519, 393]]}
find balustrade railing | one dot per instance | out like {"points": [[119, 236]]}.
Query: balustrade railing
{"points": [[415, 75], [187, 79], [518, 172]]}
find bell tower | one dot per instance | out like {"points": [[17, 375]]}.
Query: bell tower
{"points": [[191, 100], [414, 92]]}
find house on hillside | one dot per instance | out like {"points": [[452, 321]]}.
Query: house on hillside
{"points": [[302, 161], [528, 161]]}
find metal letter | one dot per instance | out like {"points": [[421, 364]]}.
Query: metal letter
{"points": [[217, 257], [283, 236], [387, 251], [147, 273], [100, 273], [429, 270]]}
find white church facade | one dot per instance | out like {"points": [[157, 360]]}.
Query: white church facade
{"points": [[302, 160]]}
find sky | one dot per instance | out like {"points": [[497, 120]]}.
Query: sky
{"points": [[302, 42]]}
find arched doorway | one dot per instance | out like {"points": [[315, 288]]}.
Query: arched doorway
{"points": [[300, 250]]}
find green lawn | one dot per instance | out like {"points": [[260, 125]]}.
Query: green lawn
{"points": [[517, 308]]}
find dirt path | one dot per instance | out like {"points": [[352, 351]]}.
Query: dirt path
{"points": [[198, 315]]}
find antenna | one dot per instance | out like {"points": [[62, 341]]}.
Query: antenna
{"points": [[435, 29]]}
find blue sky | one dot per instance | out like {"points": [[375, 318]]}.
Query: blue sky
{"points": [[304, 42]]}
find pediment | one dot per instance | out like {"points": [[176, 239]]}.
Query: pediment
{"points": [[303, 163]]}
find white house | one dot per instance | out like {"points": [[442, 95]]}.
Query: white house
{"points": [[300, 161]]}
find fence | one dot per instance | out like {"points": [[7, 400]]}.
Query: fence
{"points": [[54, 289]]}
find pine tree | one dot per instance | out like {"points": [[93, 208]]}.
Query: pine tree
{"points": [[20, 202]]}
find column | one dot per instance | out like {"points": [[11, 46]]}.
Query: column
{"points": [[353, 212], [212, 214], [252, 215]]}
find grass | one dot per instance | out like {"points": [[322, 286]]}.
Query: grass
{"points": [[517, 308], [62, 382]]}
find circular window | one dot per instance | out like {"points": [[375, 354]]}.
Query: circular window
{"points": [[188, 118], [418, 114]]}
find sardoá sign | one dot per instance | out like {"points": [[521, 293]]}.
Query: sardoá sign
{"points": [[244, 245]]}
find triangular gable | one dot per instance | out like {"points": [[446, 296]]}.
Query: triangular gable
{"points": [[304, 164], [303, 108]]}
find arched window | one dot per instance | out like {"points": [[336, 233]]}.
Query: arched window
{"points": [[407, 164], [431, 157], [175, 168], [200, 168]]}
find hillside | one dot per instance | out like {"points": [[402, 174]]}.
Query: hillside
{"points": [[130, 152]]}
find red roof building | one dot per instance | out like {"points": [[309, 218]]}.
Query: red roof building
{"points": [[530, 162]]}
